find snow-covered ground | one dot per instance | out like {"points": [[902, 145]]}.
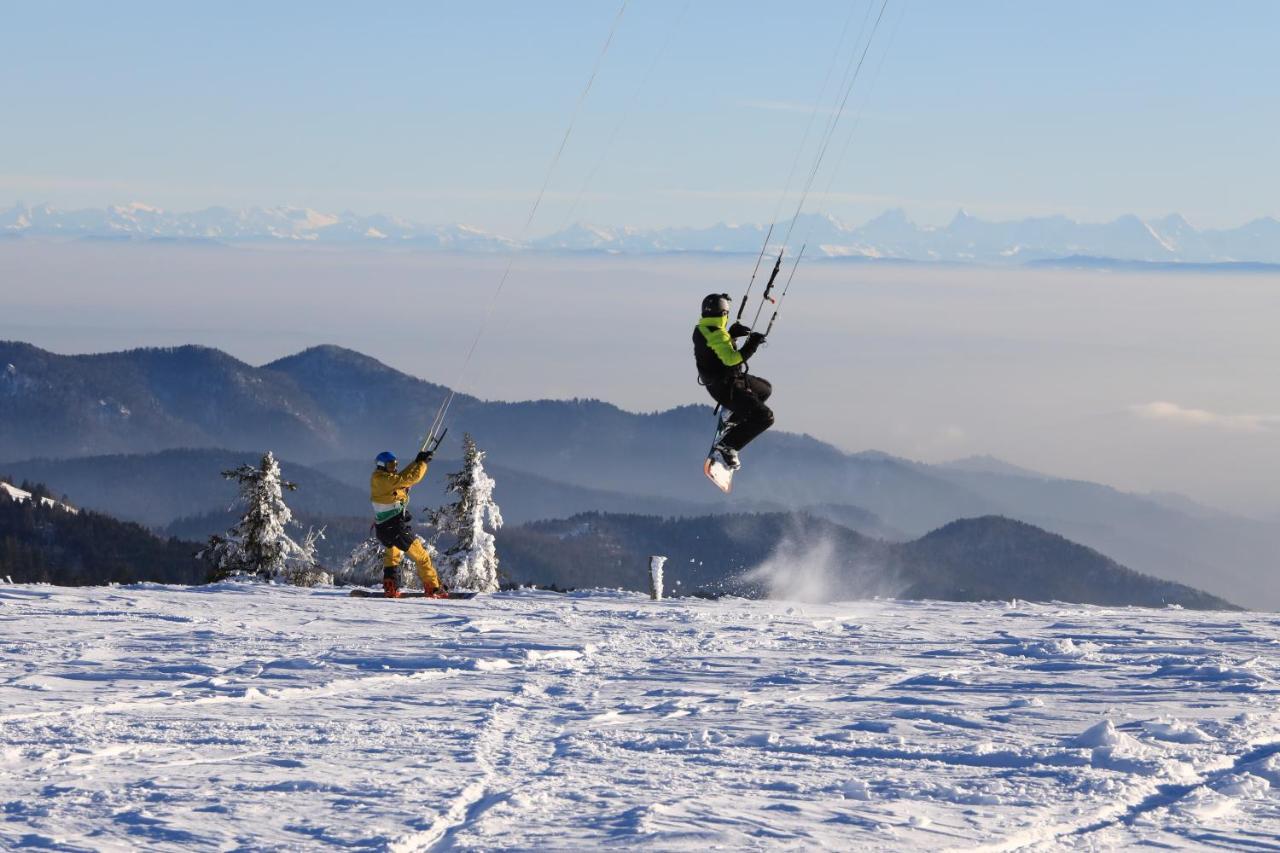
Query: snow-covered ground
{"points": [[249, 717]]}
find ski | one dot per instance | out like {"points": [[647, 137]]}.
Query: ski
{"points": [[364, 593]]}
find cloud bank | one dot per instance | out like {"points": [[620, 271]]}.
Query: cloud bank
{"points": [[1177, 414]]}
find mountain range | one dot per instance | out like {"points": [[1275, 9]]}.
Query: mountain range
{"points": [[254, 224], [98, 426], [890, 236], [803, 557]]}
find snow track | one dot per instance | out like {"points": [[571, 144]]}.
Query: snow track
{"points": [[235, 717]]}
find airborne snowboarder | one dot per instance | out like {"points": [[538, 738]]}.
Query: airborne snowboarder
{"points": [[722, 369], [389, 492]]}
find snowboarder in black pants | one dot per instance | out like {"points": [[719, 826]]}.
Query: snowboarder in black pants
{"points": [[722, 369]]}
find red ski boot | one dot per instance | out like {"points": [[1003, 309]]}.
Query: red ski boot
{"points": [[389, 588]]}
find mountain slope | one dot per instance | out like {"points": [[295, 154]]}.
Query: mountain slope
{"points": [[999, 558], [1217, 551], [157, 488], [148, 399], [44, 543]]}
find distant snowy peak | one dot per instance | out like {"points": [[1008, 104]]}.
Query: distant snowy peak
{"points": [[965, 239], [280, 223], [891, 235]]}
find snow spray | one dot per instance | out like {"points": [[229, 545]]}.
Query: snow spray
{"points": [[808, 565], [655, 577]]}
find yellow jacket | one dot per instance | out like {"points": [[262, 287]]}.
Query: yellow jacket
{"points": [[390, 492]]}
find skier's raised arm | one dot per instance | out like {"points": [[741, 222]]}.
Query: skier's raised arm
{"points": [[754, 340], [412, 475]]}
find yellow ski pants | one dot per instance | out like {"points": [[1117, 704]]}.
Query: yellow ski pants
{"points": [[426, 570]]}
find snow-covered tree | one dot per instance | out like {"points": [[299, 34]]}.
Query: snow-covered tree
{"points": [[258, 545], [471, 562], [363, 566]]}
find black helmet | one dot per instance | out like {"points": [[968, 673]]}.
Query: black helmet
{"points": [[716, 305]]}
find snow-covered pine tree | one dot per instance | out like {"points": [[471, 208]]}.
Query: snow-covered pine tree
{"points": [[363, 566], [471, 562], [258, 544]]}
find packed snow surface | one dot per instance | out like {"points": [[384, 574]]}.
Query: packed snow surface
{"points": [[261, 717]]}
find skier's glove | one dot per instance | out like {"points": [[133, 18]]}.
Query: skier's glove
{"points": [[737, 330], [754, 340], [424, 457]]}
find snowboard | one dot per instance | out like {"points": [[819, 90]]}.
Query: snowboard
{"points": [[719, 474], [364, 593], [715, 469]]}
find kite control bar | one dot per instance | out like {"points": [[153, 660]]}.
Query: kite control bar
{"points": [[433, 441], [778, 303], [773, 276]]}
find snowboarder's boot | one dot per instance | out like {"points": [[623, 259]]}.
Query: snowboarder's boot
{"points": [[437, 592], [728, 455], [389, 587]]}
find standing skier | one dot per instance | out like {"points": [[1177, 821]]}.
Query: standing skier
{"points": [[721, 368], [389, 492]]}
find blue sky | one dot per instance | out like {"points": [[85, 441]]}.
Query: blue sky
{"points": [[447, 112]]}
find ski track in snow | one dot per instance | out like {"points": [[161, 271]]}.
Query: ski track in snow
{"points": [[269, 718]]}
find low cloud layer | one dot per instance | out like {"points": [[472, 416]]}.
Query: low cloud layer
{"points": [[1174, 413]]}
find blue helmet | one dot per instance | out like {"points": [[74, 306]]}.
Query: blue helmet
{"points": [[384, 458]]}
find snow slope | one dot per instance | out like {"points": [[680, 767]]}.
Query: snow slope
{"points": [[22, 496], [250, 717]]}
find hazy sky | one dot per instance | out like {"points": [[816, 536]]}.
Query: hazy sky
{"points": [[447, 112], [1145, 382]]}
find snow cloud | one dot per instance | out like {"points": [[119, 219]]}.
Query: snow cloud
{"points": [[800, 571], [1174, 413], [810, 568]]}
